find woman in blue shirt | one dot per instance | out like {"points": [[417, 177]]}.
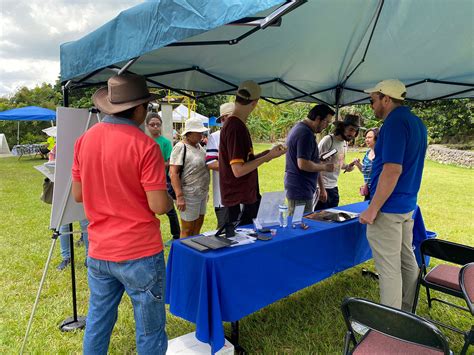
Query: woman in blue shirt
{"points": [[366, 166]]}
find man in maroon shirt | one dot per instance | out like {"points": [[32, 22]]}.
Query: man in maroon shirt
{"points": [[237, 162]]}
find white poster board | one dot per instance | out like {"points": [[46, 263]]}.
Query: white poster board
{"points": [[4, 148], [71, 124]]}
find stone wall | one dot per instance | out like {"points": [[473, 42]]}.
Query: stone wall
{"points": [[444, 155]]}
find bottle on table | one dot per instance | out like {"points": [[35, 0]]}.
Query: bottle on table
{"points": [[283, 215]]}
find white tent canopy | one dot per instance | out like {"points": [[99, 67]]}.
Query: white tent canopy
{"points": [[182, 113]]}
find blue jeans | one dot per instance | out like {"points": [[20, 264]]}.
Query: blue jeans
{"points": [[64, 239], [144, 281]]}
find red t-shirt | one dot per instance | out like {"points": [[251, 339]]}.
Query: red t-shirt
{"points": [[116, 164], [236, 147]]}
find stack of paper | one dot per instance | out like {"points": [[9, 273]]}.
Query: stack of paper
{"points": [[242, 239]]}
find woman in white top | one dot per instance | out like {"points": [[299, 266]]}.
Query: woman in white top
{"points": [[190, 177]]}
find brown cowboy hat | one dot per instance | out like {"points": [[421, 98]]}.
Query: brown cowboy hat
{"points": [[122, 93]]}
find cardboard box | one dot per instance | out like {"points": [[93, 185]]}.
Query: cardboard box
{"points": [[188, 344]]}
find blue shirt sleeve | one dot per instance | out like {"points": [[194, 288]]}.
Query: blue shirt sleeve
{"points": [[395, 140], [305, 146]]}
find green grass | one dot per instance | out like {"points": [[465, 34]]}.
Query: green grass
{"points": [[307, 321]]}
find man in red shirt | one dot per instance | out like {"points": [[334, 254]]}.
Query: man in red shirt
{"points": [[119, 175], [237, 162]]}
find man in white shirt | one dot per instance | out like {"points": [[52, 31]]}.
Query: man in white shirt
{"points": [[344, 132], [212, 161]]}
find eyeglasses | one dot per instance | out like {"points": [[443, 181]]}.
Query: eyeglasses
{"points": [[154, 124], [381, 96]]}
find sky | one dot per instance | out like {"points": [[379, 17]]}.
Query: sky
{"points": [[31, 32]]}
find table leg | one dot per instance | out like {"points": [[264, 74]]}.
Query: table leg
{"points": [[372, 274], [234, 338]]}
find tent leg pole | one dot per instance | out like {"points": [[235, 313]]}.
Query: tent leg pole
{"points": [[18, 134], [35, 305], [74, 322]]}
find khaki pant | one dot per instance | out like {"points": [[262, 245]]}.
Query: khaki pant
{"points": [[308, 206], [390, 238]]}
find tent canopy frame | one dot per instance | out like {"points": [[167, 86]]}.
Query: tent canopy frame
{"points": [[259, 23]]}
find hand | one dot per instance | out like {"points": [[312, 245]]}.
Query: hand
{"points": [[276, 151], [180, 203], [349, 167], [368, 216], [329, 168], [357, 163], [323, 195]]}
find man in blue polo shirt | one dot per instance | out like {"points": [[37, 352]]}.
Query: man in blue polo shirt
{"points": [[396, 179]]}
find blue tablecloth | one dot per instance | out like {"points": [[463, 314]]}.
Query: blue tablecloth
{"points": [[230, 283]]}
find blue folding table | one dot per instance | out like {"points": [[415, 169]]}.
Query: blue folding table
{"points": [[228, 284]]}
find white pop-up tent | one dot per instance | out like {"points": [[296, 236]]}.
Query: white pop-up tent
{"points": [[4, 148], [182, 113]]}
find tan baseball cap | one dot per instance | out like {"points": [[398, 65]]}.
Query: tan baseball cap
{"points": [[224, 110], [390, 87], [249, 90]]}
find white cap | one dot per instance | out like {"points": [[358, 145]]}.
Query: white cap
{"points": [[224, 110], [390, 87]]}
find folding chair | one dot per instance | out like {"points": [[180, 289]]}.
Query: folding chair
{"points": [[392, 331], [466, 280], [443, 277]]}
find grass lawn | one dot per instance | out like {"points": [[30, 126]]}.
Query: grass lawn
{"points": [[307, 321]]}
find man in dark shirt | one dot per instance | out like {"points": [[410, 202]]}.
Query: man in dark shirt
{"points": [[302, 159], [237, 162]]}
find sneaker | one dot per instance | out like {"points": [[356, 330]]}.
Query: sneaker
{"points": [[63, 264], [359, 328]]}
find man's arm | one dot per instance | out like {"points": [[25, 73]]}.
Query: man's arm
{"points": [[242, 169], [159, 201], [323, 195], [212, 153], [312, 167], [213, 165], [387, 181], [259, 155], [77, 191]]}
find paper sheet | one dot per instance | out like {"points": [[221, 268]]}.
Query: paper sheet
{"points": [[268, 210]]}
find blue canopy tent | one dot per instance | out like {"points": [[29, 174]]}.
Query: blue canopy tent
{"points": [[29, 113], [315, 51]]}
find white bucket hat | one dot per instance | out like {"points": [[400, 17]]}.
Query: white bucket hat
{"points": [[193, 124]]}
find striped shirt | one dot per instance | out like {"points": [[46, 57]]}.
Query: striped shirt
{"points": [[367, 167]]}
